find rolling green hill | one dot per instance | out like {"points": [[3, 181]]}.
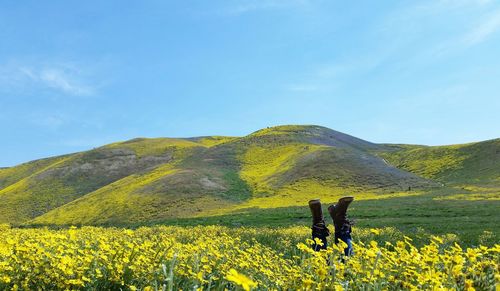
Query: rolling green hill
{"points": [[474, 163], [153, 180], [35, 188]]}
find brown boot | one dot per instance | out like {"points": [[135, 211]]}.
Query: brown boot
{"points": [[338, 211], [319, 229], [316, 211]]}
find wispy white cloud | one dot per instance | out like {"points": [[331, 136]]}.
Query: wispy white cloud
{"points": [[406, 39], [426, 32], [478, 19], [64, 78], [485, 28]]}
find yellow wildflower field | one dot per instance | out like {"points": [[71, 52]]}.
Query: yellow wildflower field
{"points": [[218, 258]]}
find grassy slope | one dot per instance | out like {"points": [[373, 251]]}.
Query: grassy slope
{"points": [[474, 163], [193, 182], [416, 215], [279, 166], [9, 176], [288, 165], [73, 176]]}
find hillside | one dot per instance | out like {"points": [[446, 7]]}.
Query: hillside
{"points": [[146, 180], [474, 163], [35, 188]]}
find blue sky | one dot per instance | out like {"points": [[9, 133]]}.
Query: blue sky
{"points": [[79, 74]]}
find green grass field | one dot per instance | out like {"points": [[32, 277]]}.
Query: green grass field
{"points": [[418, 216]]}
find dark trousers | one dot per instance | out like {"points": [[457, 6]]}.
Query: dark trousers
{"points": [[322, 236], [345, 236]]}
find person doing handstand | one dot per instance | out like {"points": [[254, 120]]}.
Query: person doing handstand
{"points": [[343, 226]]}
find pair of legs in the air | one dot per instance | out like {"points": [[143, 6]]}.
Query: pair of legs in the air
{"points": [[343, 229]]}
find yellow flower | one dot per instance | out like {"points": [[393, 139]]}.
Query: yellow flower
{"points": [[240, 279], [183, 258], [468, 285], [307, 283], [318, 241]]}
